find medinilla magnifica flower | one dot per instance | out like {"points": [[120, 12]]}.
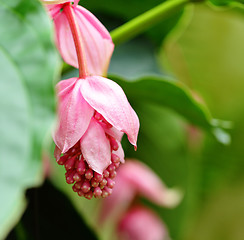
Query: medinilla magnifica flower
{"points": [[137, 179], [97, 42], [93, 115], [121, 211], [141, 223], [128, 218]]}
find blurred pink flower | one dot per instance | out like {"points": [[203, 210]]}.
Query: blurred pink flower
{"points": [[93, 115], [135, 178], [96, 39], [140, 223]]}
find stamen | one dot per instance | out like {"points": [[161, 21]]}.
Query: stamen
{"points": [[70, 163], [98, 177], [97, 192], [77, 177], [94, 183], [62, 160], [114, 144], [86, 186], [115, 158], [89, 195], [106, 173], [81, 167], [89, 174], [110, 183]]}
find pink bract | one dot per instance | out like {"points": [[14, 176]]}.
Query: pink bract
{"points": [[96, 39], [82, 105]]}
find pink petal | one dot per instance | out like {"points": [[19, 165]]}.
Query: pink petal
{"points": [[74, 115], [63, 87], [96, 39], [64, 39], [97, 42], [57, 153], [114, 133], [53, 9], [76, 2], [141, 223], [148, 184], [95, 147], [108, 98]]}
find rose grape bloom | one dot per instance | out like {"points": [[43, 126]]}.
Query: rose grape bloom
{"points": [[135, 178], [95, 38], [140, 223], [130, 220], [93, 115]]}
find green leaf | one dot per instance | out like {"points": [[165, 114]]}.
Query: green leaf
{"points": [[175, 96], [28, 65]]}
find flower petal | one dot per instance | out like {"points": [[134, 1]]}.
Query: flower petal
{"points": [[108, 98], [148, 184], [114, 133], [97, 42], [63, 87], [64, 39], [74, 115], [140, 223], [95, 147]]}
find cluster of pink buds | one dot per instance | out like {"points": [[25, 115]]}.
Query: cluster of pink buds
{"points": [[93, 111], [87, 182]]}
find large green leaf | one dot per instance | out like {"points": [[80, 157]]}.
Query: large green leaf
{"points": [[28, 64], [175, 96]]}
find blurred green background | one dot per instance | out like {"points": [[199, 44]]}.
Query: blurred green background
{"points": [[201, 47]]}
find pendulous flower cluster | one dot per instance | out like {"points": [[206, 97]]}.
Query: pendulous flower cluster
{"points": [[93, 111], [93, 115]]}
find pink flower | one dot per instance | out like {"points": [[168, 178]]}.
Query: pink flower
{"points": [[96, 39], [140, 223], [135, 178], [93, 115], [122, 212]]}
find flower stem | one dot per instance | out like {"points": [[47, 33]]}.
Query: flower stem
{"points": [[147, 19], [69, 12]]}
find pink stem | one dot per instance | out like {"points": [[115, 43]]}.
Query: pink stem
{"points": [[79, 46]]}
